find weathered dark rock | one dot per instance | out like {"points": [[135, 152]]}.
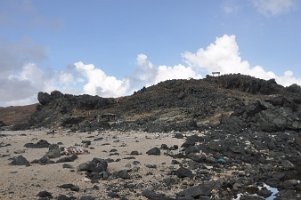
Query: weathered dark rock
{"points": [[191, 141], [153, 166], [196, 191], [54, 151], [19, 160], [192, 149], [179, 135], [44, 98], [134, 153], [184, 172], [154, 151], [113, 194], [155, 196], [43, 161], [122, 174], [68, 166], [44, 194], [86, 142], [67, 159], [70, 186], [95, 169], [164, 147], [39, 144], [264, 192]]}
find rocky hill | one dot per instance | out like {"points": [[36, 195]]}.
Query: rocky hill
{"points": [[233, 102]]}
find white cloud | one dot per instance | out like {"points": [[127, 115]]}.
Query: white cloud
{"points": [[223, 56], [273, 7], [99, 83], [66, 78], [175, 72], [147, 74]]}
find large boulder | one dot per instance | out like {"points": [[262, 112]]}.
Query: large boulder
{"points": [[44, 98]]}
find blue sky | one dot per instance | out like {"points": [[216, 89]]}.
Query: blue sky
{"points": [[113, 47]]}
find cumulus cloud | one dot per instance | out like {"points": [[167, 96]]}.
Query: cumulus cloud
{"points": [[223, 56], [99, 83], [273, 7], [147, 73]]}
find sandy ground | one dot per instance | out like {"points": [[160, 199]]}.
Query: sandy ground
{"points": [[21, 182]]}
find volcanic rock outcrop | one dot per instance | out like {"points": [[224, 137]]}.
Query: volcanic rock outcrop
{"points": [[231, 102]]}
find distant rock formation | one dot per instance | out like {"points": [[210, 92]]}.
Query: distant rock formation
{"points": [[230, 101]]}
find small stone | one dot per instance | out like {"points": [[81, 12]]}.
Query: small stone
{"points": [[154, 151], [184, 172], [122, 174], [134, 153], [153, 166], [19, 160], [44, 194], [68, 166], [70, 186], [179, 136], [164, 146]]}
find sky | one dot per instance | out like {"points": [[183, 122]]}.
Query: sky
{"points": [[112, 48]]}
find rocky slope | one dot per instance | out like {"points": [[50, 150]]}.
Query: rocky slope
{"points": [[230, 101]]}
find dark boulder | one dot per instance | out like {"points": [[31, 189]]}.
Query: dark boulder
{"points": [[95, 169], [43, 161], [19, 160], [44, 98], [70, 186], [196, 192], [45, 194], [154, 151], [67, 159], [39, 144], [123, 174], [179, 135], [134, 153], [184, 172], [54, 151]]}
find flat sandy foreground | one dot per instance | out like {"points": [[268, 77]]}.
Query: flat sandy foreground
{"points": [[21, 182]]}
